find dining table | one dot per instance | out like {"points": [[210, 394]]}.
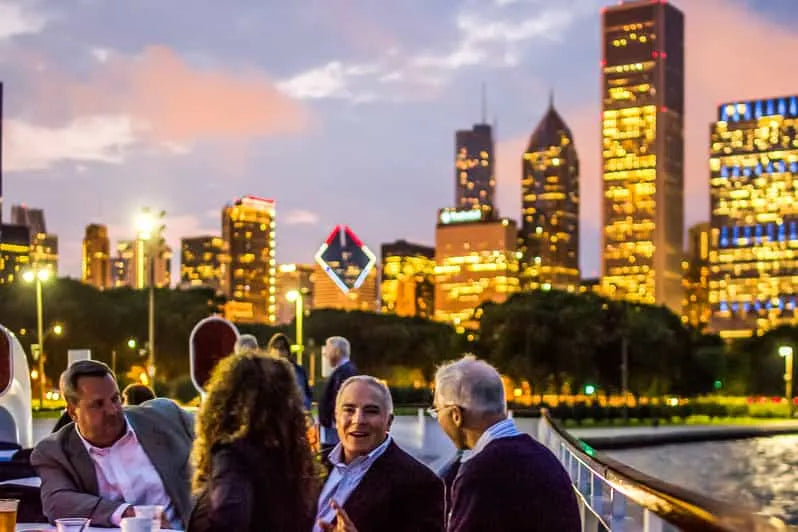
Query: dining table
{"points": [[44, 527]]}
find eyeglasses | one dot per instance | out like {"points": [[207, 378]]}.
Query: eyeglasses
{"points": [[433, 411]]}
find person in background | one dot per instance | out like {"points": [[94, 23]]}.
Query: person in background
{"points": [[246, 343], [280, 346], [111, 457], [253, 468], [135, 394], [336, 351], [373, 484], [509, 481]]}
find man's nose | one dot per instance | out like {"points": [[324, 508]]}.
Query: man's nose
{"points": [[358, 416]]}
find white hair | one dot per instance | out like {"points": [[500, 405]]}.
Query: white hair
{"points": [[245, 343], [472, 385], [341, 344], [376, 384]]}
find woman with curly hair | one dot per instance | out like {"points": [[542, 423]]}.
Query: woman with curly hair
{"points": [[253, 467]]}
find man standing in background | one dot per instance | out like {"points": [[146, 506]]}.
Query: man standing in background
{"points": [[336, 352]]}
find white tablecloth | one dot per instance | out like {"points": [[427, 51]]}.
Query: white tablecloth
{"points": [[29, 527]]}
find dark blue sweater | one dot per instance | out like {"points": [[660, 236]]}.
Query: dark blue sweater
{"points": [[513, 484]]}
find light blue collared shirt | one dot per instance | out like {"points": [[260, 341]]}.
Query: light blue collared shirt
{"points": [[343, 479], [503, 429]]}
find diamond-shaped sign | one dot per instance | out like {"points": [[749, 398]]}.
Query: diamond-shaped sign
{"points": [[345, 258]]}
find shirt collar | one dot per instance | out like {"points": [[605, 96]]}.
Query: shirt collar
{"points": [[503, 429], [91, 449], [341, 363], [337, 455]]}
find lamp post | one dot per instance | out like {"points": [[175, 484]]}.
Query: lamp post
{"points": [[296, 296], [787, 352], [145, 274], [39, 276]]}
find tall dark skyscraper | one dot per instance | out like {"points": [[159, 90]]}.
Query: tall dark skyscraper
{"points": [[550, 208], [475, 183], [643, 152]]}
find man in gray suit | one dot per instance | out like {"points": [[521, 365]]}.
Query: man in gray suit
{"points": [[112, 458]]}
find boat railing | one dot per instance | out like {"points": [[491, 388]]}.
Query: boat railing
{"points": [[613, 496]]}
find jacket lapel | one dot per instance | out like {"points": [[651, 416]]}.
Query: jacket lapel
{"points": [[78, 456], [371, 494], [155, 446]]}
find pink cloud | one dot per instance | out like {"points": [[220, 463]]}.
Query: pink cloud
{"points": [[732, 54], [175, 102]]}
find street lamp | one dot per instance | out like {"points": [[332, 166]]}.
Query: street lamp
{"points": [[39, 276], [146, 227], [786, 352], [296, 296], [131, 344]]}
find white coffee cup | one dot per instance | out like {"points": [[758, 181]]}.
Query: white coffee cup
{"points": [[136, 524], [154, 512]]}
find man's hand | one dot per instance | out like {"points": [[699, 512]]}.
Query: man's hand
{"points": [[342, 521]]}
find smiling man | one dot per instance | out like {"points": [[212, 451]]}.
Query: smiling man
{"points": [[111, 458], [373, 484]]}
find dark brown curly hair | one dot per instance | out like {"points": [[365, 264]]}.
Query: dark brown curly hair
{"points": [[256, 398]]}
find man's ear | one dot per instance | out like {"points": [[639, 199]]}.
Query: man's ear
{"points": [[71, 410], [457, 416], [390, 421]]}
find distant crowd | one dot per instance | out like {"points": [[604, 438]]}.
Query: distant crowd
{"points": [[249, 462]]}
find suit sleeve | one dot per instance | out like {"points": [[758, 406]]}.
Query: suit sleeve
{"points": [[61, 496], [231, 493], [428, 502]]}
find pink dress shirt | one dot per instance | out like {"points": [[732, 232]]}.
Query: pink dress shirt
{"points": [[126, 474]]}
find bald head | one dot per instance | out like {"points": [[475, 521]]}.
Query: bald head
{"points": [[471, 384]]}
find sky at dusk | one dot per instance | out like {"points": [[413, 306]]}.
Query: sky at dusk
{"points": [[344, 111]]}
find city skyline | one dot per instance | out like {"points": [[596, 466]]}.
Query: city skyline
{"points": [[356, 105]]}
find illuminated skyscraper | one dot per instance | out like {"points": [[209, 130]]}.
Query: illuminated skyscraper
{"points": [[695, 283], [642, 147], [407, 287], [129, 266], [123, 265], [754, 216], [248, 228], [14, 252], [475, 183], [550, 207], [327, 294], [476, 261], [293, 277], [43, 245], [96, 264], [204, 261]]}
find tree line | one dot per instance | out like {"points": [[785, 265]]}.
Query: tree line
{"points": [[557, 341]]}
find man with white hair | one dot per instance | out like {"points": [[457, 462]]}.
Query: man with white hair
{"points": [[509, 481], [336, 351], [373, 484], [246, 343]]}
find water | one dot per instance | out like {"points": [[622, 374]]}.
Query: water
{"points": [[761, 473]]}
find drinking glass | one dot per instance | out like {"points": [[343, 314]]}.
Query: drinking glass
{"points": [[72, 524], [154, 512], [8, 514]]}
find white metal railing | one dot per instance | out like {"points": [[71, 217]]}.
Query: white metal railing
{"points": [[613, 496]]}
